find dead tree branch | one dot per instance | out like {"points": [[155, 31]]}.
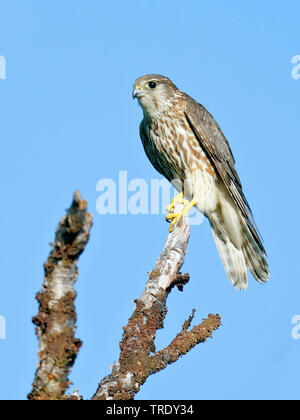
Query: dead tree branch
{"points": [[139, 359], [56, 319], [55, 322]]}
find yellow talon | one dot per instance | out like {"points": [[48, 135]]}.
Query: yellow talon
{"points": [[175, 217], [178, 199]]}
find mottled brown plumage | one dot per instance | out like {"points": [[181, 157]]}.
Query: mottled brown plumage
{"points": [[186, 145]]}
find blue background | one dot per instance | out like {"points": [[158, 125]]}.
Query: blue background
{"points": [[67, 120]]}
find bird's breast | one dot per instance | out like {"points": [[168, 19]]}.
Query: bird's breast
{"points": [[175, 142]]}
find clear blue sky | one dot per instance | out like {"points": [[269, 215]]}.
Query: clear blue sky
{"points": [[67, 120]]}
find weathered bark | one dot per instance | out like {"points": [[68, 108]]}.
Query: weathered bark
{"points": [[55, 322], [139, 359]]}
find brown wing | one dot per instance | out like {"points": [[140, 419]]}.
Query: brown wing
{"points": [[214, 143]]}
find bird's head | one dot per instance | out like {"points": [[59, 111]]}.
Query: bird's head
{"points": [[154, 92]]}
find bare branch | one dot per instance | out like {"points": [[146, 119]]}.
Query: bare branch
{"points": [[138, 359], [55, 322], [185, 341]]}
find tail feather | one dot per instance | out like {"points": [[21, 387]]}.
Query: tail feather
{"points": [[233, 261], [255, 257]]}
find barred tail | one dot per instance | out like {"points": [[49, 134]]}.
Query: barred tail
{"points": [[233, 260], [255, 255], [250, 254]]}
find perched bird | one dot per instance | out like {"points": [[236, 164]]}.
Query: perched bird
{"points": [[186, 145]]}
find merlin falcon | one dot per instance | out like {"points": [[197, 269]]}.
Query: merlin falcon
{"points": [[186, 145]]}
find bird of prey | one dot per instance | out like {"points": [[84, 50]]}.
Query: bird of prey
{"points": [[186, 145]]}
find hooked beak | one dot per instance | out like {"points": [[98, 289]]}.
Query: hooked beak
{"points": [[136, 93]]}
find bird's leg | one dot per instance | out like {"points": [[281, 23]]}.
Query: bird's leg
{"points": [[177, 200], [175, 217]]}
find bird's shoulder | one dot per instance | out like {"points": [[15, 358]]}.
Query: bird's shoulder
{"points": [[207, 129]]}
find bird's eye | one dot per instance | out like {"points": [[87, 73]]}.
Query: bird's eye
{"points": [[152, 85]]}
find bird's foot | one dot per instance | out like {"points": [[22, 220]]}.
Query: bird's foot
{"points": [[174, 218], [177, 200]]}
